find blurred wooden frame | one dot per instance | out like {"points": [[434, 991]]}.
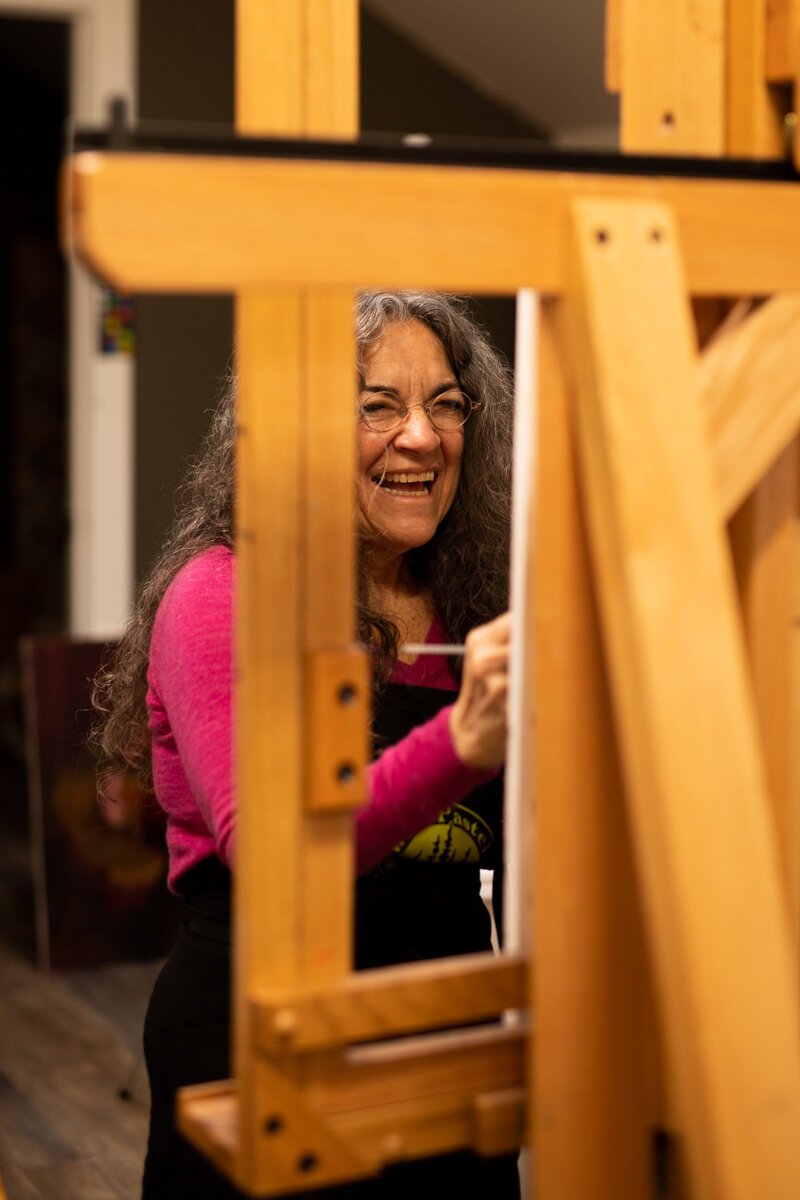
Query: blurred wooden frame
{"points": [[674, 874], [706, 76]]}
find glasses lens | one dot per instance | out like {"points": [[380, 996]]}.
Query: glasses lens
{"points": [[450, 411], [382, 412]]}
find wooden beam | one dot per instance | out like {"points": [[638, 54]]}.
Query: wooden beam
{"points": [[672, 74], [778, 52], [612, 45], [698, 801], [754, 109], [166, 223], [295, 541], [297, 67], [398, 1101], [765, 535], [593, 1067], [394, 1000], [749, 386]]}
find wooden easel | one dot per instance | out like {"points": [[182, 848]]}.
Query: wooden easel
{"points": [[661, 894]]}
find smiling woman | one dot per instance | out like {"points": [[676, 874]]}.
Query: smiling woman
{"points": [[434, 397], [409, 466], [432, 491]]}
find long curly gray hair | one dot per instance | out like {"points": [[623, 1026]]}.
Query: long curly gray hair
{"points": [[464, 566]]}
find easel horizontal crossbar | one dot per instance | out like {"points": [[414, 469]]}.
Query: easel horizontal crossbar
{"points": [[400, 1100], [208, 1115], [177, 223], [471, 1061], [391, 1000]]}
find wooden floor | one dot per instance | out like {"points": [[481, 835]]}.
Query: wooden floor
{"points": [[69, 1042]]}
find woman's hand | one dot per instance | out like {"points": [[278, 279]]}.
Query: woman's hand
{"points": [[478, 720]]}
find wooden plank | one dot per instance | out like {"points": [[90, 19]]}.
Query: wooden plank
{"points": [[764, 536], [612, 45], [331, 68], [673, 77], [592, 1066], [390, 1000], [470, 1061], [327, 551], [269, 920], [177, 223], [699, 809], [296, 73], [446, 1094], [297, 67], [208, 1115], [270, 67], [749, 384], [754, 112], [778, 44]]}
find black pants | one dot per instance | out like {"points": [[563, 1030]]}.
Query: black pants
{"points": [[186, 1040], [187, 1034]]}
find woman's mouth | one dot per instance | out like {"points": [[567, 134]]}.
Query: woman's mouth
{"points": [[406, 483]]}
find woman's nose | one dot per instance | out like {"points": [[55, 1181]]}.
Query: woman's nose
{"points": [[417, 428]]}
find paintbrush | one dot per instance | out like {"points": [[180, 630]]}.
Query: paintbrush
{"points": [[429, 648]]}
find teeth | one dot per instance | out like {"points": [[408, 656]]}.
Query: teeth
{"points": [[408, 477]]}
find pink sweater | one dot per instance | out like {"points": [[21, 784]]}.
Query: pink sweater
{"points": [[190, 678]]}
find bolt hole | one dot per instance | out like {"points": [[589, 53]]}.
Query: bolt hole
{"points": [[668, 122], [345, 772], [273, 1124], [656, 234], [602, 235], [347, 694], [307, 1163]]}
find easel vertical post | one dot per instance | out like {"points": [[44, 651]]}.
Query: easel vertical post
{"points": [[699, 812], [672, 76], [296, 73], [592, 1067]]}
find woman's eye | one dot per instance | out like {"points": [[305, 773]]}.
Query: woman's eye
{"points": [[373, 408], [449, 404]]}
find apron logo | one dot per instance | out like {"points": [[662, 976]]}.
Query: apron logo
{"points": [[459, 836]]}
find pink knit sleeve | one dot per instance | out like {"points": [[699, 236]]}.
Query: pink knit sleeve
{"points": [[192, 646], [409, 786]]}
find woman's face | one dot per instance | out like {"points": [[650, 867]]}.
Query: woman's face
{"points": [[407, 478]]}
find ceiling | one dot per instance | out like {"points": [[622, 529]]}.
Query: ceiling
{"points": [[543, 58]]}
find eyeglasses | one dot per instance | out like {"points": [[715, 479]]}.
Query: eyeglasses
{"points": [[384, 412]]}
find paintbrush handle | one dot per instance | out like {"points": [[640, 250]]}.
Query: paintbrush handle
{"points": [[427, 648]]}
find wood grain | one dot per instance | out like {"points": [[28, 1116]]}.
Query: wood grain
{"points": [[395, 1000], [749, 384], [296, 73], [592, 1068], [764, 536], [698, 801], [175, 223], [754, 110], [673, 77]]}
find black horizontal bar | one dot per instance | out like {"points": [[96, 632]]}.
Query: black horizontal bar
{"points": [[501, 153]]}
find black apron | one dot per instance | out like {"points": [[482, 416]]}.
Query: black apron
{"points": [[422, 902]]}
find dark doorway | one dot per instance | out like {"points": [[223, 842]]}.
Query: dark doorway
{"points": [[34, 85]]}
